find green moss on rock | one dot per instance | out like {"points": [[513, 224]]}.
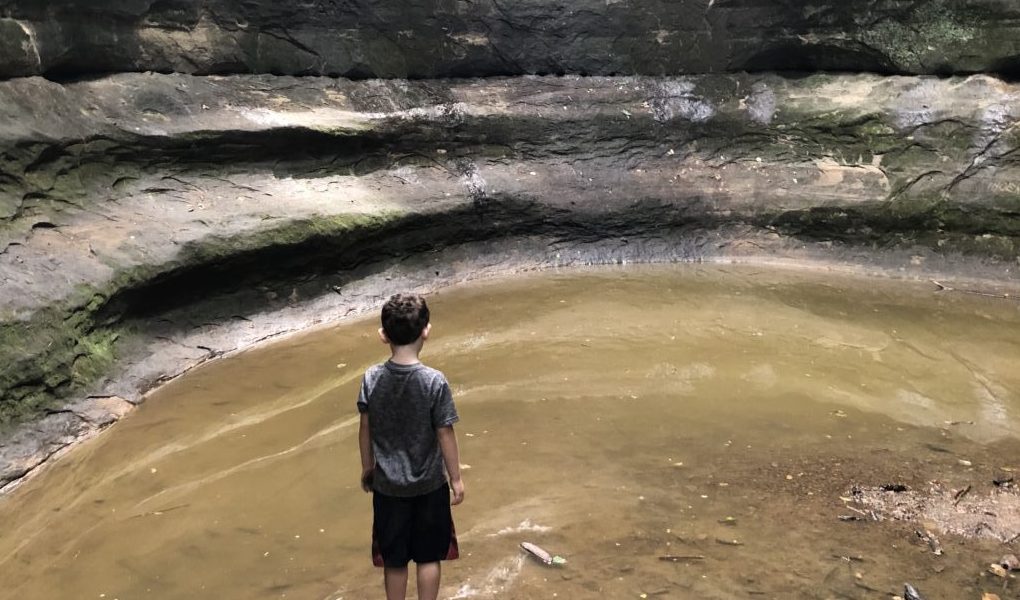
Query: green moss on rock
{"points": [[931, 29], [96, 354], [62, 349]]}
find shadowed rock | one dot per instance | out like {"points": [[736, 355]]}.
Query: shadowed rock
{"points": [[440, 38]]}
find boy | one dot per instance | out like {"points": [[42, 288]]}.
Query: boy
{"points": [[406, 437]]}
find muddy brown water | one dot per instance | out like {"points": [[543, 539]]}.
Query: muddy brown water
{"points": [[611, 416]]}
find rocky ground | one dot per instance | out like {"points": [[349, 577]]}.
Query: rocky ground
{"points": [[992, 511], [150, 222]]}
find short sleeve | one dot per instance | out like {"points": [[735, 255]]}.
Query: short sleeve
{"points": [[363, 395], [444, 413]]}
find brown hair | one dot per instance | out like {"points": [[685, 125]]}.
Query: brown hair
{"points": [[404, 318]]}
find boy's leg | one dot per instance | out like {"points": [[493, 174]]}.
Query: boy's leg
{"points": [[395, 582], [391, 533], [432, 540], [432, 535], [428, 580]]}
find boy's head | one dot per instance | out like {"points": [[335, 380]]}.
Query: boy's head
{"points": [[405, 318]]}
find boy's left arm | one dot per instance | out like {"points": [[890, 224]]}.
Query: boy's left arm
{"points": [[451, 457], [367, 455], [444, 415]]}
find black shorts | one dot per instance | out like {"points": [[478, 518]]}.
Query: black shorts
{"points": [[419, 528]]}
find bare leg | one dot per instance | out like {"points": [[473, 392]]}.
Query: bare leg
{"points": [[428, 581], [395, 581]]}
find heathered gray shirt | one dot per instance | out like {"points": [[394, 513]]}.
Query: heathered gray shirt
{"points": [[405, 406]]}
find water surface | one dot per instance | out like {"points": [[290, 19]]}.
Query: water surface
{"points": [[612, 416]]}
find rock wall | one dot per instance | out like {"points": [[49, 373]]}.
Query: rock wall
{"points": [[457, 38], [149, 222]]}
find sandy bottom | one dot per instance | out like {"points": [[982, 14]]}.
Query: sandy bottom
{"points": [[672, 432]]}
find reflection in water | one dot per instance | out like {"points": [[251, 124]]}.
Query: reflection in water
{"points": [[613, 416]]}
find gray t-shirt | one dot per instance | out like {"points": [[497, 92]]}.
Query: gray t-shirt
{"points": [[405, 406]]}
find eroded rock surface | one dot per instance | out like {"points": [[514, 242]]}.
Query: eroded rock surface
{"points": [[150, 222], [444, 38]]}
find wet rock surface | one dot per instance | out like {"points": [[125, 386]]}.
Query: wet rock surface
{"points": [[150, 222], [385, 38]]}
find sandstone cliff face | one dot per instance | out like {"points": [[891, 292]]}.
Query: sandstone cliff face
{"points": [[149, 222], [457, 38]]}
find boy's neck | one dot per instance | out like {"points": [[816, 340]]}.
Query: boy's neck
{"points": [[405, 355]]}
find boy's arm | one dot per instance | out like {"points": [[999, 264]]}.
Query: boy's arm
{"points": [[367, 456], [451, 456]]}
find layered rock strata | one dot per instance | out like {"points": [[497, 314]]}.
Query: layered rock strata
{"points": [[150, 222], [458, 38]]}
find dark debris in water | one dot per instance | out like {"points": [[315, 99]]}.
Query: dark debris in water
{"points": [[1004, 483]]}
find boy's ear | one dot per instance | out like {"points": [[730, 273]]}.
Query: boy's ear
{"points": [[382, 336], [425, 332]]}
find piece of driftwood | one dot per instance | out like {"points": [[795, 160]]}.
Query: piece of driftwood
{"points": [[911, 593], [541, 555]]}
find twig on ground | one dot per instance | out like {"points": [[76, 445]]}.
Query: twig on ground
{"points": [[945, 288], [961, 494]]}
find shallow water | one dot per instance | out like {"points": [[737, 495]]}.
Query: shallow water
{"points": [[611, 416]]}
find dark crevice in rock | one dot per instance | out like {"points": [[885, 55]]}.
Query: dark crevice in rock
{"points": [[321, 256], [1008, 68], [794, 59], [965, 229], [797, 67]]}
